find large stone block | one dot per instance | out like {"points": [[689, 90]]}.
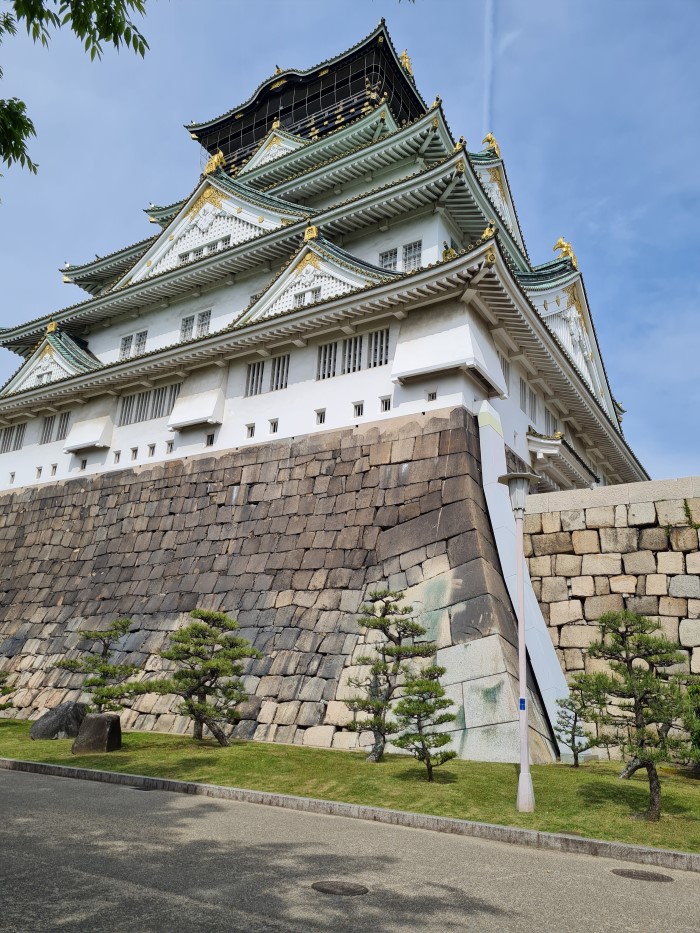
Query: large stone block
{"points": [[685, 585], [319, 736], [586, 542], [99, 732], [640, 563], [595, 606], [602, 565], [557, 543], [689, 633], [618, 540]]}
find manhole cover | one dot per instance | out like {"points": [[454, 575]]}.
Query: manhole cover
{"points": [[637, 875], [340, 888]]}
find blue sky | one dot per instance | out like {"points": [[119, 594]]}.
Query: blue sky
{"points": [[596, 107]]}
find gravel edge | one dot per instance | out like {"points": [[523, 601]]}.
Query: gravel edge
{"points": [[558, 842]]}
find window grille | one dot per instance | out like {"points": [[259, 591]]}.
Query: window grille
{"points": [[412, 255], [551, 425], [203, 323], [160, 398], [140, 342], [389, 259], [19, 436], [144, 406], [280, 372], [254, 378], [327, 353], [385, 404], [151, 450], [83, 464], [173, 392], [505, 368], [39, 472], [134, 453], [532, 398], [125, 347], [47, 429], [352, 354], [54, 467], [358, 409], [274, 424], [63, 422], [169, 446], [432, 396], [378, 350], [198, 253], [321, 416], [250, 430], [309, 297], [117, 456], [186, 327], [42, 379], [209, 441], [523, 395]]}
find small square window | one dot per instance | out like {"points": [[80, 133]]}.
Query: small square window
{"points": [[12, 478], [54, 467], [151, 450], [250, 430], [385, 404], [274, 424], [389, 259], [38, 472], [210, 440], [134, 453], [83, 464], [358, 409], [117, 456], [432, 396], [169, 446], [321, 416]]}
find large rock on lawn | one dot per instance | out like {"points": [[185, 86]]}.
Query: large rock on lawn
{"points": [[99, 732], [63, 722]]}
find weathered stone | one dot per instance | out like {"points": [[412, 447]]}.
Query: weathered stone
{"points": [[60, 723], [641, 513], [684, 585], [558, 543], [582, 586], [657, 584], [554, 589], [338, 714], [99, 732], [671, 512], [618, 540], [595, 606], [551, 522], [689, 632], [310, 714], [532, 524], [601, 564], [600, 517], [564, 612], [626, 583], [586, 542], [319, 736], [573, 520], [684, 539], [567, 565], [673, 562], [644, 605], [653, 539], [578, 636], [673, 606], [639, 563]]}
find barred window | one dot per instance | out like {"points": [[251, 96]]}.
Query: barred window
{"points": [[389, 259], [140, 342], [173, 392], [327, 354], [551, 425], [352, 354], [19, 436], [144, 406], [532, 398], [358, 409], [126, 414], [309, 297], [125, 347], [141, 406], [274, 425], [412, 255], [385, 403], [186, 327], [378, 351], [505, 368], [254, 378], [160, 398], [280, 373], [63, 423], [47, 429], [321, 416], [523, 395], [12, 438], [133, 345], [203, 323]]}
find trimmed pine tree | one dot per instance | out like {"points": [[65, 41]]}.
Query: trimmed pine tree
{"points": [[419, 714], [584, 705]]}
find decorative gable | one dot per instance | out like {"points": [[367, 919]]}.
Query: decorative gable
{"points": [[216, 217], [276, 144], [57, 356], [319, 272]]}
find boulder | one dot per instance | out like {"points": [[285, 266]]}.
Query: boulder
{"points": [[99, 732], [63, 722]]}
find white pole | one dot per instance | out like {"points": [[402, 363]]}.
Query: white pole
{"points": [[526, 793]]}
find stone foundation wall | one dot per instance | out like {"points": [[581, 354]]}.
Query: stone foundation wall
{"points": [[289, 537], [631, 547]]}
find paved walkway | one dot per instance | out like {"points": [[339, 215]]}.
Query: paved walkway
{"points": [[78, 856]]}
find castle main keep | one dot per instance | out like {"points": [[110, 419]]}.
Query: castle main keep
{"points": [[302, 387]]}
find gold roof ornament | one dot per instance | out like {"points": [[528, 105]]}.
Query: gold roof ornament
{"points": [[275, 124], [490, 141], [310, 233], [460, 144], [218, 160], [406, 62], [490, 230], [566, 251], [436, 102], [448, 252], [278, 70], [52, 328]]}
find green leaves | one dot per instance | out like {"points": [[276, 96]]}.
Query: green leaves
{"points": [[419, 714]]}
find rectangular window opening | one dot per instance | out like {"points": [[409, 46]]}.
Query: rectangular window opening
{"points": [[358, 409], [63, 422], [169, 446], [203, 323], [327, 354], [186, 327], [274, 424], [254, 378], [117, 456], [279, 373], [385, 404], [378, 348], [134, 453], [250, 430], [389, 259], [38, 472], [412, 255], [151, 450], [432, 396], [83, 464], [47, 429], [54, 467], [523, 395], [321, 416], [209, 441], [352, 355]]}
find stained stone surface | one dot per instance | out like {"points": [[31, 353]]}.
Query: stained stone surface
{"points": [[288, 537], [63, 722], [99, 732]]}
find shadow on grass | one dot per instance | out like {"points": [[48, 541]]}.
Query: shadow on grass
{"points": [[419, 775], [633, 795]]}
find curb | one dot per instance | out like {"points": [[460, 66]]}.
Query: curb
{"points": [[534, 839]]}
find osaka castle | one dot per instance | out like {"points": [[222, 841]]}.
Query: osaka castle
{"points": [[299, 390]]}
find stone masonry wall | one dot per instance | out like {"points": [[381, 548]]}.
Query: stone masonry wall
{"points": [[632, 546], [289, 537]]}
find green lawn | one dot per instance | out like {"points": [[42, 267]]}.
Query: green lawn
{"points": [[589, 801]]}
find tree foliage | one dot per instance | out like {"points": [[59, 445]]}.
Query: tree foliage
{"points": [[208, 656], [108, 682], [585, 706], [5, 690], [419, 714], [395, 646], [95, 23], [647, 703]]}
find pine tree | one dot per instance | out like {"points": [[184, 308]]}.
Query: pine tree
{"points": [[418, 714], [585, 704], [5, 690], [108, 683], [395, 647], [209, 659], [647, 703]]}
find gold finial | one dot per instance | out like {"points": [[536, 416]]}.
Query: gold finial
{"points": [[275, 125], [310, 233], [216, 161], [490, 230], [52, 328], [278, 70], [436, 102], [448, 252], [490, 141], [460, 144], [566, 251], [406, 62]]}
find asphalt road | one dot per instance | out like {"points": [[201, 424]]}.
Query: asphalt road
{"points": [[81, 856]]}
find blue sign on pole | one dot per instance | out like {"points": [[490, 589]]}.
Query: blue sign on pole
{"points": [[522, 702]]}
